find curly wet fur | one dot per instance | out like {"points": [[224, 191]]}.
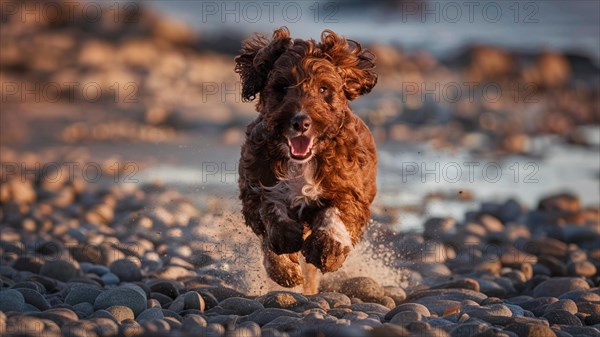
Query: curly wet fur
{"points": [[319, 206]]}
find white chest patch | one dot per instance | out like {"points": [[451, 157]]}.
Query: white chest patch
{"points": [[298, 187], [302, 186]]}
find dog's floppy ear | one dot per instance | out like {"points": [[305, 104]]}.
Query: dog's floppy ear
{"points": [[256, 60], [354, 63]]}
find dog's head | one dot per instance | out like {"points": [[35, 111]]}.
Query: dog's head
{"points": [[304, 86]]}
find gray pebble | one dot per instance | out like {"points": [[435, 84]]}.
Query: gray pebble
{"points": [[210, 301], [515, 309], [334, 299], [83, 309], [240, 306], [130, 328], [11, 300], [441, 323], [364, 288], [421, 309], [333, 330], [396, 293], [101, 314], [285, 323], [484, 312], [557, 286], [34, 298], [174, 324], [530, 330], [166, 287], [367, 324], [448, 294], [110, 279], [586, 331], [150, 314], [158, 326], [440, 306], [98, 270], [126, 270], [83, 293], [121, 296], [189, 300], [163, 299], [30, 308], [264, 316], [562, 317], [371, 308], [61, 270], [404, 318], [173, 314], [193, 322], [491, 288], [355, 316], [467, 330], [566, 304], [581, 296]]}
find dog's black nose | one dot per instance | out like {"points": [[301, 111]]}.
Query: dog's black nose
{"points": [[301, 122]]}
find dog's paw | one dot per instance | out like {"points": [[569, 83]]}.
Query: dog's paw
{"points": [[283, 269], [285, 237], [325, 251]]}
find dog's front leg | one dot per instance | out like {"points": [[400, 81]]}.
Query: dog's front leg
{"points": [[282, 268], [330, 241], [283, 234]]}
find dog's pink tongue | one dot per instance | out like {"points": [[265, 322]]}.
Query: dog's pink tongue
{"points": [[300, 145]]}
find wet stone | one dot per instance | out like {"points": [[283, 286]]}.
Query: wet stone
{"points": [[581, 268], [240, 306], [468, 329], [110, 279], [484, 312], [165, 287], [126, 270], [415, 307], [83, 309], [566, 305], [404, 318], [364, 288], [121, 296], [193, 322], [34, 298], [264, 316], [150, 314], [557, 286], [83, 293], [283, 300], [120, 312], [61, 270], [333, 299], [11, 300], [396, 293], [562, 317]]}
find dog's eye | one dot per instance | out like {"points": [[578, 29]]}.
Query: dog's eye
{"points": [[281, 89], [323, 90]]}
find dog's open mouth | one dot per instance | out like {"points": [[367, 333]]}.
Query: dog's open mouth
{"points": [[300, 147]]}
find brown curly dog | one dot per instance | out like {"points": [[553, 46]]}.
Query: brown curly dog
{"points": [[308, 167]]}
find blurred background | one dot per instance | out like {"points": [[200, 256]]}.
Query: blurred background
{"points": [[484, 100]]}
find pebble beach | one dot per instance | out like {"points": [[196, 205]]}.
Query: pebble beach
{"points": [[144, 261]]}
